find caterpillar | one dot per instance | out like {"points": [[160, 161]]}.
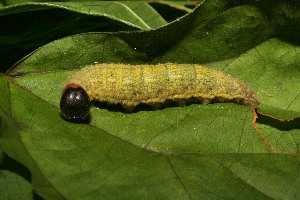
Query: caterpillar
{"points": [[130, 85]]}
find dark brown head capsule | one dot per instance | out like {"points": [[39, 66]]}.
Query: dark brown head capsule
{"points": [[75, 103]]}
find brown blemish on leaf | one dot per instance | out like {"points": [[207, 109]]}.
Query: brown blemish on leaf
{"points": [[284, 125], [255, 116]]}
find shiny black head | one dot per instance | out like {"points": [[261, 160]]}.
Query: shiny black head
{"points": [[75, 103]]}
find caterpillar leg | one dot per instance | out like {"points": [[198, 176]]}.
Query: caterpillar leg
{"points": [[203, 101], [181, 102], [154, 105], [128, 108]]}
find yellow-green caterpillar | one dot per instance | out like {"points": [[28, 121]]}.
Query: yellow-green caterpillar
{"points": [[130, 85]]}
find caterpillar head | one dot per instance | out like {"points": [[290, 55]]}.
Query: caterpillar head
{"points": [[75, 102]]}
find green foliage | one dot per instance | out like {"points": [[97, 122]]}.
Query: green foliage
{"points": [[214, 151]]}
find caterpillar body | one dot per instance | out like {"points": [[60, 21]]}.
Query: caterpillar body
{"points": [[130, 85]]}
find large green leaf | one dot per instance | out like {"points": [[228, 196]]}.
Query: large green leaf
{"points": [[197, 151], [27, 26], [136, 14]]}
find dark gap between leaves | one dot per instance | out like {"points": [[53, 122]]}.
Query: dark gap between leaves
{"points": [[280, 125]]}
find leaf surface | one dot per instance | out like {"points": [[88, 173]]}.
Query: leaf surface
{"points": [[28, 25], [136, 14]]}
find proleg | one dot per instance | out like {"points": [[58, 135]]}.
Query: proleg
{"points": [[130, 85]]}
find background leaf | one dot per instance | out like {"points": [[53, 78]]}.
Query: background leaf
{"points": [[197, 151], [136, 14], [14, 180], [27, 26]]}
